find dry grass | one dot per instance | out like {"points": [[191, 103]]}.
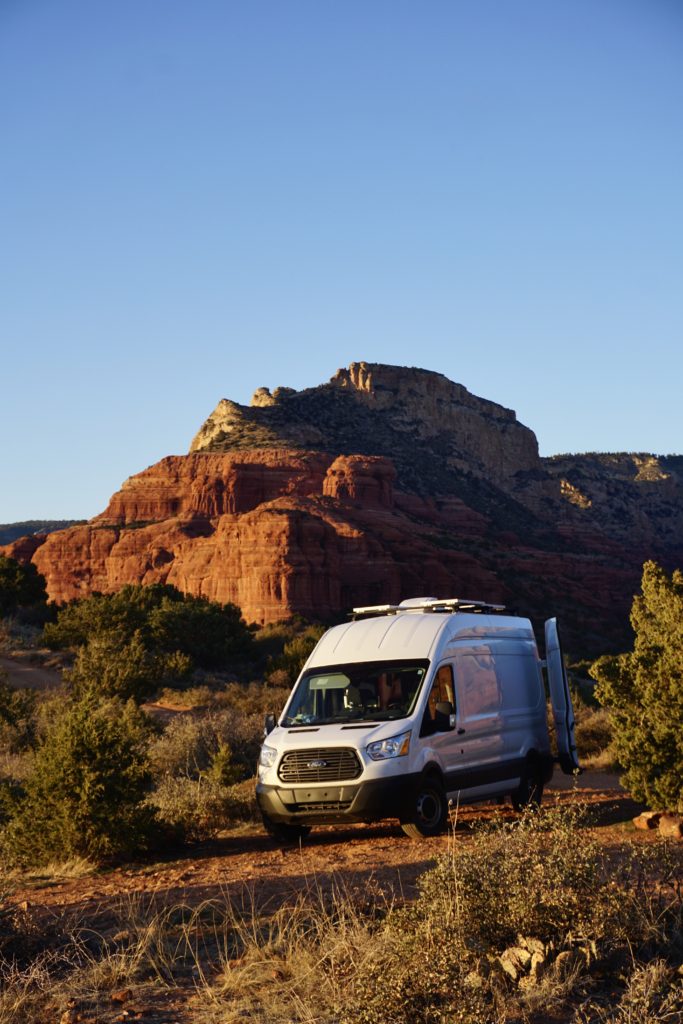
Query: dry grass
{"points": [[604, 761], [607, 935], [56, 871], [593, 732], [296, 964]]}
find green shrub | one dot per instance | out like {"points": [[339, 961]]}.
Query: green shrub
{"points": [[190, 745], [643, 690], [295, 655], [85, 794], [517, 919], [117, 668], [593, 731], [164, 620], [195, 810], [21, 586], [122, 614], [197, 763], [10, 798], [17, 718], [211, 634]]}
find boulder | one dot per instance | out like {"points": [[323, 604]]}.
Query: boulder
{"points": [[648, 820], [671, 826]]}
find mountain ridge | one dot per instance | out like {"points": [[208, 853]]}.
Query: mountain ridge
{"points": [[382, 483]]}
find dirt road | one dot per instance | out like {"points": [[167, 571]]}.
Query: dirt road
{"points": [[248, 864], [23, 673]]}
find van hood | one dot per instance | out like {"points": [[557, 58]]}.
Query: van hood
{"points": [[357, 735]]}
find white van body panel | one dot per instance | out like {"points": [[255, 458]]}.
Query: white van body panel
{"points": [[560, 697], [496, 738], [404, 635]]}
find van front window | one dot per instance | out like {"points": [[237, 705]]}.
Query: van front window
{"points": [[364, 692]]}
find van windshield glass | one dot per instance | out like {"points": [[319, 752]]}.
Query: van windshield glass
{"points": [[375, 691]]}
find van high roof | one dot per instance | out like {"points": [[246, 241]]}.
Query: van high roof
{"points": [[415, 629]]}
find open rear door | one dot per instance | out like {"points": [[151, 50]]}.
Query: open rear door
{"points": [[560, 697]]}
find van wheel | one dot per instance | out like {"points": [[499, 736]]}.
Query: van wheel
{"points": [[529, 793], [284, 832], [430, 811]]}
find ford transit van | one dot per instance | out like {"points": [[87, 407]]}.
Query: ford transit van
{"points": [[410, 707]]}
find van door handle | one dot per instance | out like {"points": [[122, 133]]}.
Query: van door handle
{"points": [[460, 732]]}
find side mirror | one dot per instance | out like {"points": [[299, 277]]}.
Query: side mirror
{"points": [[445, 716], [269, 723]]}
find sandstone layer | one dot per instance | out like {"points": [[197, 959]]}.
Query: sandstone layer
{"points": [[384, 483]]}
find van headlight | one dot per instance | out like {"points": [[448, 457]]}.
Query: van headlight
{"points": [[397, 746], [267, 756]]}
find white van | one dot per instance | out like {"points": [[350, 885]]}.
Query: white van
{"points": [[410, 706]]}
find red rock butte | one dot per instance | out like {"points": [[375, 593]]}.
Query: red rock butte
{"points": [[384, 483]]}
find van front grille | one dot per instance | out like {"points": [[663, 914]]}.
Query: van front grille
{"points": [[336, 806], [321, 764]]}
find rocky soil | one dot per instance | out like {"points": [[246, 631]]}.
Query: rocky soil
{"points": [[355, 855], [248, 868]]}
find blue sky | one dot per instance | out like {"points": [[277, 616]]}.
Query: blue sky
{"points": [[199, 199]]}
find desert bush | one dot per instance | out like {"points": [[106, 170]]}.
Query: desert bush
{"points": [[512, 880], [186, 696], [213, 693], [294, 655], [653, 994], [164, 620], [592, 731], [197, 763], [194, 810], [17, 717], [255, 698], [85, 793], [529, 876], [21, 586], [517, 920], [643, 690], [190, 745], [116, 668]]}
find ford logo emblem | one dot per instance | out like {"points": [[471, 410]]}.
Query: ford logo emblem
{"points": [[317, 764]]}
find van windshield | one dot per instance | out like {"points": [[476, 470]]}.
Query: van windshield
{"points": [[370, 691]]}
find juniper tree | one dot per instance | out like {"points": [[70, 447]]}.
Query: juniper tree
{"points": [[643, 690], [21, 586], [85, 794]]}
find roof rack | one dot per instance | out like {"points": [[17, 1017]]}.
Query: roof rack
{"points": [[449, 605]]}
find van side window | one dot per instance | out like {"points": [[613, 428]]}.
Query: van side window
{"points": [[442, 690], [522, 689], [480, 688]]}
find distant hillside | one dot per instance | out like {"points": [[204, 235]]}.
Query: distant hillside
{"points": [[12, 531]]}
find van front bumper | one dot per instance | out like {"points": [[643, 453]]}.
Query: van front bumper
{"points": [[329, 805]]}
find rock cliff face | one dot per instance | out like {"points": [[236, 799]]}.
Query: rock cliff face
{"points": [[635, 498], [384, 483], [422, 420]]}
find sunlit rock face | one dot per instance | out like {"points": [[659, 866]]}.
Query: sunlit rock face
{"points": [[383, 483], [369, 407]]}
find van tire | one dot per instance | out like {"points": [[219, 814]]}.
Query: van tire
{"points": [[284, 832], [529, 793], [429, 811]]}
